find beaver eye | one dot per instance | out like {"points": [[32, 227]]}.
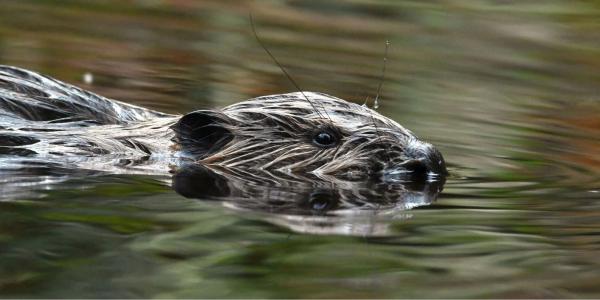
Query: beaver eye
{"points": [[324, 139]]}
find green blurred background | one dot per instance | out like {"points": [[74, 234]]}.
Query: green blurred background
{"points": [[507, 90]]}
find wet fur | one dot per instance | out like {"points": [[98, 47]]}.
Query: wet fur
{"points": [[45, 118], [275, 132]]}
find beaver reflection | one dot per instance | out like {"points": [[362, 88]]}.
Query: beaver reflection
{"points": [[284, 197]]}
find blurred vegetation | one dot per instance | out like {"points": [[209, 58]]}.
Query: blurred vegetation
{"points": [[508, 90]]}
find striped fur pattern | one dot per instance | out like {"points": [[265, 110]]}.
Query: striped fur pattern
{"points": [[44, 118], [276, 133]]}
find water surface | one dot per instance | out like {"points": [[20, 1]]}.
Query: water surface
{"points": [[507, 91]]}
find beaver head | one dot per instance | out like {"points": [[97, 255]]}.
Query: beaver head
{"points": [[306, 133]]}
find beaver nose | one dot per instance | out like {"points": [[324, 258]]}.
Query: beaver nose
{"points": [[423, 162], [434, 161], [416, 167]]}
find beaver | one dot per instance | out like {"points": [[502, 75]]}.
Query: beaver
{"points": [[300, 132]]}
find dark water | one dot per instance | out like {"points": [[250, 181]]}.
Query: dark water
{"points": [[507, 90]]}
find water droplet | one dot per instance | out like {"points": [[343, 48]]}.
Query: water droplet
{"points": [[88, 78]]}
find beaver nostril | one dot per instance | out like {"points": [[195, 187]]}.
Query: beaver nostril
{"points": [[410, 169], [423, 159], [417, 167]]}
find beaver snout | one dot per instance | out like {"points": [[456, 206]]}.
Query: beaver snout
{"points": [[423, 162]]}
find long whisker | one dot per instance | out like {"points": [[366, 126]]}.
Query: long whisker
{"points": [[376, 102], [283, 69]]}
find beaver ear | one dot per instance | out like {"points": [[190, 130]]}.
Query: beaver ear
{"points": [[202, 132]]}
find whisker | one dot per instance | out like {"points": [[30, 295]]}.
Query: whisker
{"points": [[376, 102], [283, 69]]}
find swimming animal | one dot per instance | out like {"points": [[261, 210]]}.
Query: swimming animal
{"points": [[297, 133]]}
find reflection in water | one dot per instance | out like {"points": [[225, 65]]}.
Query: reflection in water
{"points": [[308, 205], [508, 91]]}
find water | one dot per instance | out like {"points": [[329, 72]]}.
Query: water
{"points": [[507, 90]]}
